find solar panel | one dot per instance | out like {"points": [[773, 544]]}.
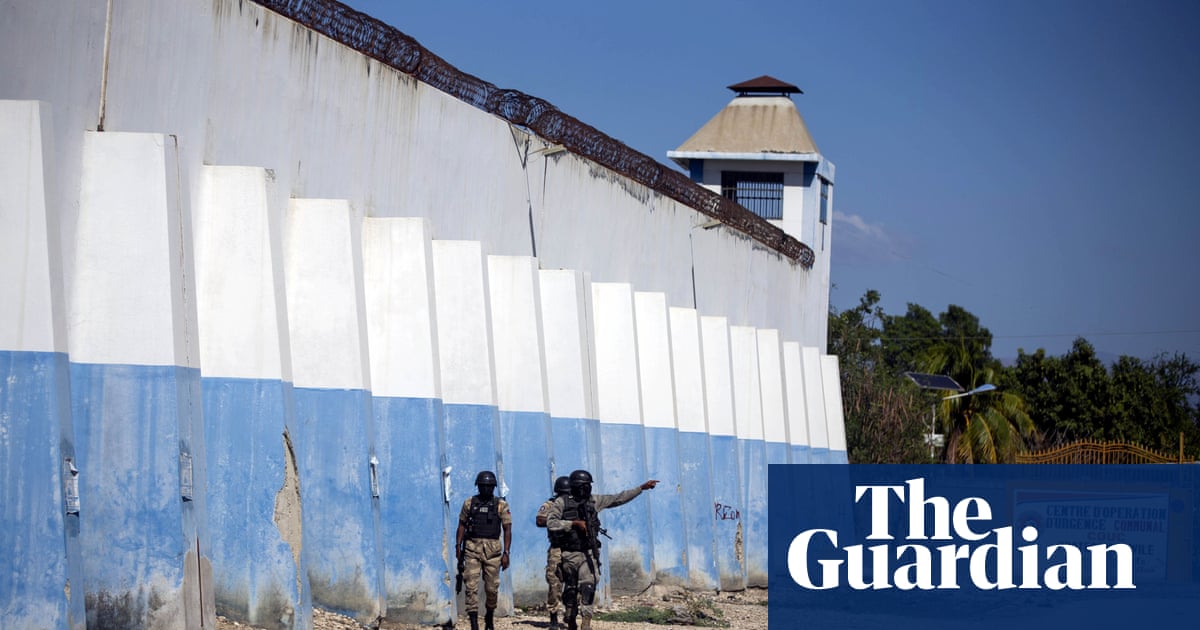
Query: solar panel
{"points": [[934, 381]]}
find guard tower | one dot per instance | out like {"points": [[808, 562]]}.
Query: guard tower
{"points": [[758, 152]]}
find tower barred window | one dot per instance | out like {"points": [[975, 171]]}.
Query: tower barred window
{"points": [[761, 193], [824, 201]]}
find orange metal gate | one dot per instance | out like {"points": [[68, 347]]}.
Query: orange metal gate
{"points": [[1101, 452]]}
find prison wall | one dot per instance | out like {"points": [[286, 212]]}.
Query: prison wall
{"points": [[39, 498], [237, 84], [272, 304]]}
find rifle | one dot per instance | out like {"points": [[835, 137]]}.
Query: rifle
{"points": [[593, 531], [458, 579]]}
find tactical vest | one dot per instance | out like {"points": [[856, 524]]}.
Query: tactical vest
{"points": [[556, 538], [573, 539], [483, 519]]}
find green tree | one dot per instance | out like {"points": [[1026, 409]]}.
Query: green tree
{"points": [[884, 423], [1040, 401], [907, 337], [986, 428], [1076, 397], [1066, 396], [1152, 403]]}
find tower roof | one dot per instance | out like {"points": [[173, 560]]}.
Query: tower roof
{"points": [[764, 85], [760, 119]]}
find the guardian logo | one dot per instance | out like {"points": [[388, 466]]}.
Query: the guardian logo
{"points": [[988, 557]]}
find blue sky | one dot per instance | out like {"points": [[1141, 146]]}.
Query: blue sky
{"points": [[1037, 163]]}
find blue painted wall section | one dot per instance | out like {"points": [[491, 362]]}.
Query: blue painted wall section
{"points": [[39, 545], [525, 440], [778, 453], [417, 556], [135, 526], [728, 512], [333, 452], [696, 488], [471, 446], [666, 513], [255, 574], [754, 480], [801, 454], [575, 445], [820, 456], [631, 549], [472, 434]]}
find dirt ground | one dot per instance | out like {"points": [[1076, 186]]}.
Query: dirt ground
{"points": [[743, 610]]}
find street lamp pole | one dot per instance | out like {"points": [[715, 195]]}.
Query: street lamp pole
{"points": [[932, 424], [986, 387]]}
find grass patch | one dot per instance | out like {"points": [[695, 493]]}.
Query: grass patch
{"points": [[693, 611], [641, 614]]}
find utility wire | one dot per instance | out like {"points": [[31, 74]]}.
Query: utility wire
{"points": [[1091, 334]]}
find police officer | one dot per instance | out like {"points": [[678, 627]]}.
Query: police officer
{"points": [[576, 516], [562, 487], [478, 546]]}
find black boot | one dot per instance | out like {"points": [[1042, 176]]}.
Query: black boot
{"points": [[487, 619], [474, 617], [571, 619], [553, 621]]}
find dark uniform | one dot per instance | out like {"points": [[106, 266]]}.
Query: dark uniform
{"points": [[576, 518], [478, 545], [562, 487]]}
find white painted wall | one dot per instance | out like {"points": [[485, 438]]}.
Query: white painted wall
{"points": [[239, 277], [797, 407], [774, 401], [30, 278], [132, 226], [747, 393], [567, 332], [835, 419], [802, 220], [688, 372], [517, 339], [236, 84], [814, 397], [401, 317], [718, 376], [618, 389], [325, 309], [464, 327], [654, 360]]}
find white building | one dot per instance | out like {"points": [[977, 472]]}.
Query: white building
{"points": [[758, 151]]}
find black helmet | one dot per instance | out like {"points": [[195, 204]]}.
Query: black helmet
{"points": [[485, 478], [580, 477], [562, 485], [581, 485]]}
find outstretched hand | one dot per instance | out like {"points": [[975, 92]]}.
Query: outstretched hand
{"points": [[649, 485]]}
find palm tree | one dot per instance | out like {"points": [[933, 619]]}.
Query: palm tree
{"points": [[988, 428]]}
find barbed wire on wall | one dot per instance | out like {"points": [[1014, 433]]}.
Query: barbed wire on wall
{"points": [[389, 46]]}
